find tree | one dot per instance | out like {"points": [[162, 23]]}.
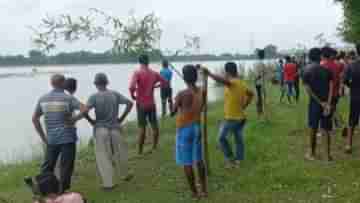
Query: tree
{"points": [[131, 35], [350, 26], [271, 51]]}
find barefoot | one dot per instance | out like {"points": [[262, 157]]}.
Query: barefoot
{"points": [[128, 178], [330, 159], [196, 196], [348, 150], [204, 195], [310, 157]]}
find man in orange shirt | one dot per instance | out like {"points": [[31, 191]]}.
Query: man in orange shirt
{"points": [[290, 73]]}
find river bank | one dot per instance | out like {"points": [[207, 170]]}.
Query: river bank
{"points": [[274, 169]]}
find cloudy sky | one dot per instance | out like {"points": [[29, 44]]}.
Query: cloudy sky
{"points": [[224, 26]]}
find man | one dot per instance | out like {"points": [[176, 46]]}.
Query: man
{"points": [[141, 89], [290, 74], [328, 61], [280, 76], [188, 106], [260, 74], [318, 82], [110, 146], [57, 108], [166, 92], [352, 80], [237, 97]]}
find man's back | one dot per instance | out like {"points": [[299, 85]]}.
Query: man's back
{"points": [[235, 98], [318, 79], [166, 74], [336, 71], [57, 107], [106, 104], [143, 83], [290, 71], [352, 79], [260, 73]]}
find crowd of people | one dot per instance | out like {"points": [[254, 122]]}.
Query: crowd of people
{"points": [[324, 78]]}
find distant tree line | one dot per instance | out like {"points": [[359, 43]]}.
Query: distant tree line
{"points": [[38, 58]]}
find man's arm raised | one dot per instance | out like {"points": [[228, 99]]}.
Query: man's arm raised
{"points": [[217, 78]]}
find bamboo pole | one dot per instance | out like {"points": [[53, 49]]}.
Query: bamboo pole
{"points": [[205, 126]]}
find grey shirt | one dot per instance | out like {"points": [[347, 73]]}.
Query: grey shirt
{"points": [[57, 107], [106, 105]]}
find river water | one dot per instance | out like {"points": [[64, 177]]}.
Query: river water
{"points": [[21, 87]]}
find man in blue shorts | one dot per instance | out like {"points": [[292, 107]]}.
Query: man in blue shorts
{"points": [[318, 82], [188, 106]]}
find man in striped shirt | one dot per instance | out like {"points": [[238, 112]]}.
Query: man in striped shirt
{"points": [[57, 108]]}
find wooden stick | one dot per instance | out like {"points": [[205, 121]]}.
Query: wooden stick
{"points": [[205, 127]]}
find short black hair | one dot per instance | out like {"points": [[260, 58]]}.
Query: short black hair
{"points": [[341, 55], [281, 61], [190, 74], [357, 48], [165, 63], [70, 84], [231, 69], [261, 53], [144, 59], [288, 59], [352, 54], [327, 52], [315, 54]]}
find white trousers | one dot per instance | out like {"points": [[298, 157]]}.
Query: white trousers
{"points": [[111, 153]]}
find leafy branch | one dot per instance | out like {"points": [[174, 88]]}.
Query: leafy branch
{"points": [[130, 35]]}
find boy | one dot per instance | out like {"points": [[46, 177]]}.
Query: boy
{"points": [[352, 80], [237, 97], [290, 74], [142, 86], [188, 107], [318, 82], [166, 92]]}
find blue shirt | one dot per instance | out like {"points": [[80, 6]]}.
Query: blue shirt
{"points": [[57, 107], [167, 74]]}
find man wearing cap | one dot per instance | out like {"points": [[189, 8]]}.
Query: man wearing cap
{"points": [[57, 108], [142, 86], [110, 146]]}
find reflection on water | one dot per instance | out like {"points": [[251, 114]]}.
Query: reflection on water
{"points": [[22, 87]]}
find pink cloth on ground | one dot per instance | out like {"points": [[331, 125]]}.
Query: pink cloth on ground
{"points": [[142, 86], [66, 198]]}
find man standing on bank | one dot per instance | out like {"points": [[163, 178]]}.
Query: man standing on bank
{"points": [[166, 92], [110, 145], [142, 86], [57, 107]]}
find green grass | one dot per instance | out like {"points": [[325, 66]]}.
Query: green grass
{"points": [[274, 169]]}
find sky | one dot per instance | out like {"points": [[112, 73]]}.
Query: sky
{"points": [[234, 26]]}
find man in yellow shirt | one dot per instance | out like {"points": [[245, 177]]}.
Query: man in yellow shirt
{"points": [[237, 97]]}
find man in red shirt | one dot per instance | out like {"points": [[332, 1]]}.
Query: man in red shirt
{"points": [[329, 62], [142, 86], [290, 73]]}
